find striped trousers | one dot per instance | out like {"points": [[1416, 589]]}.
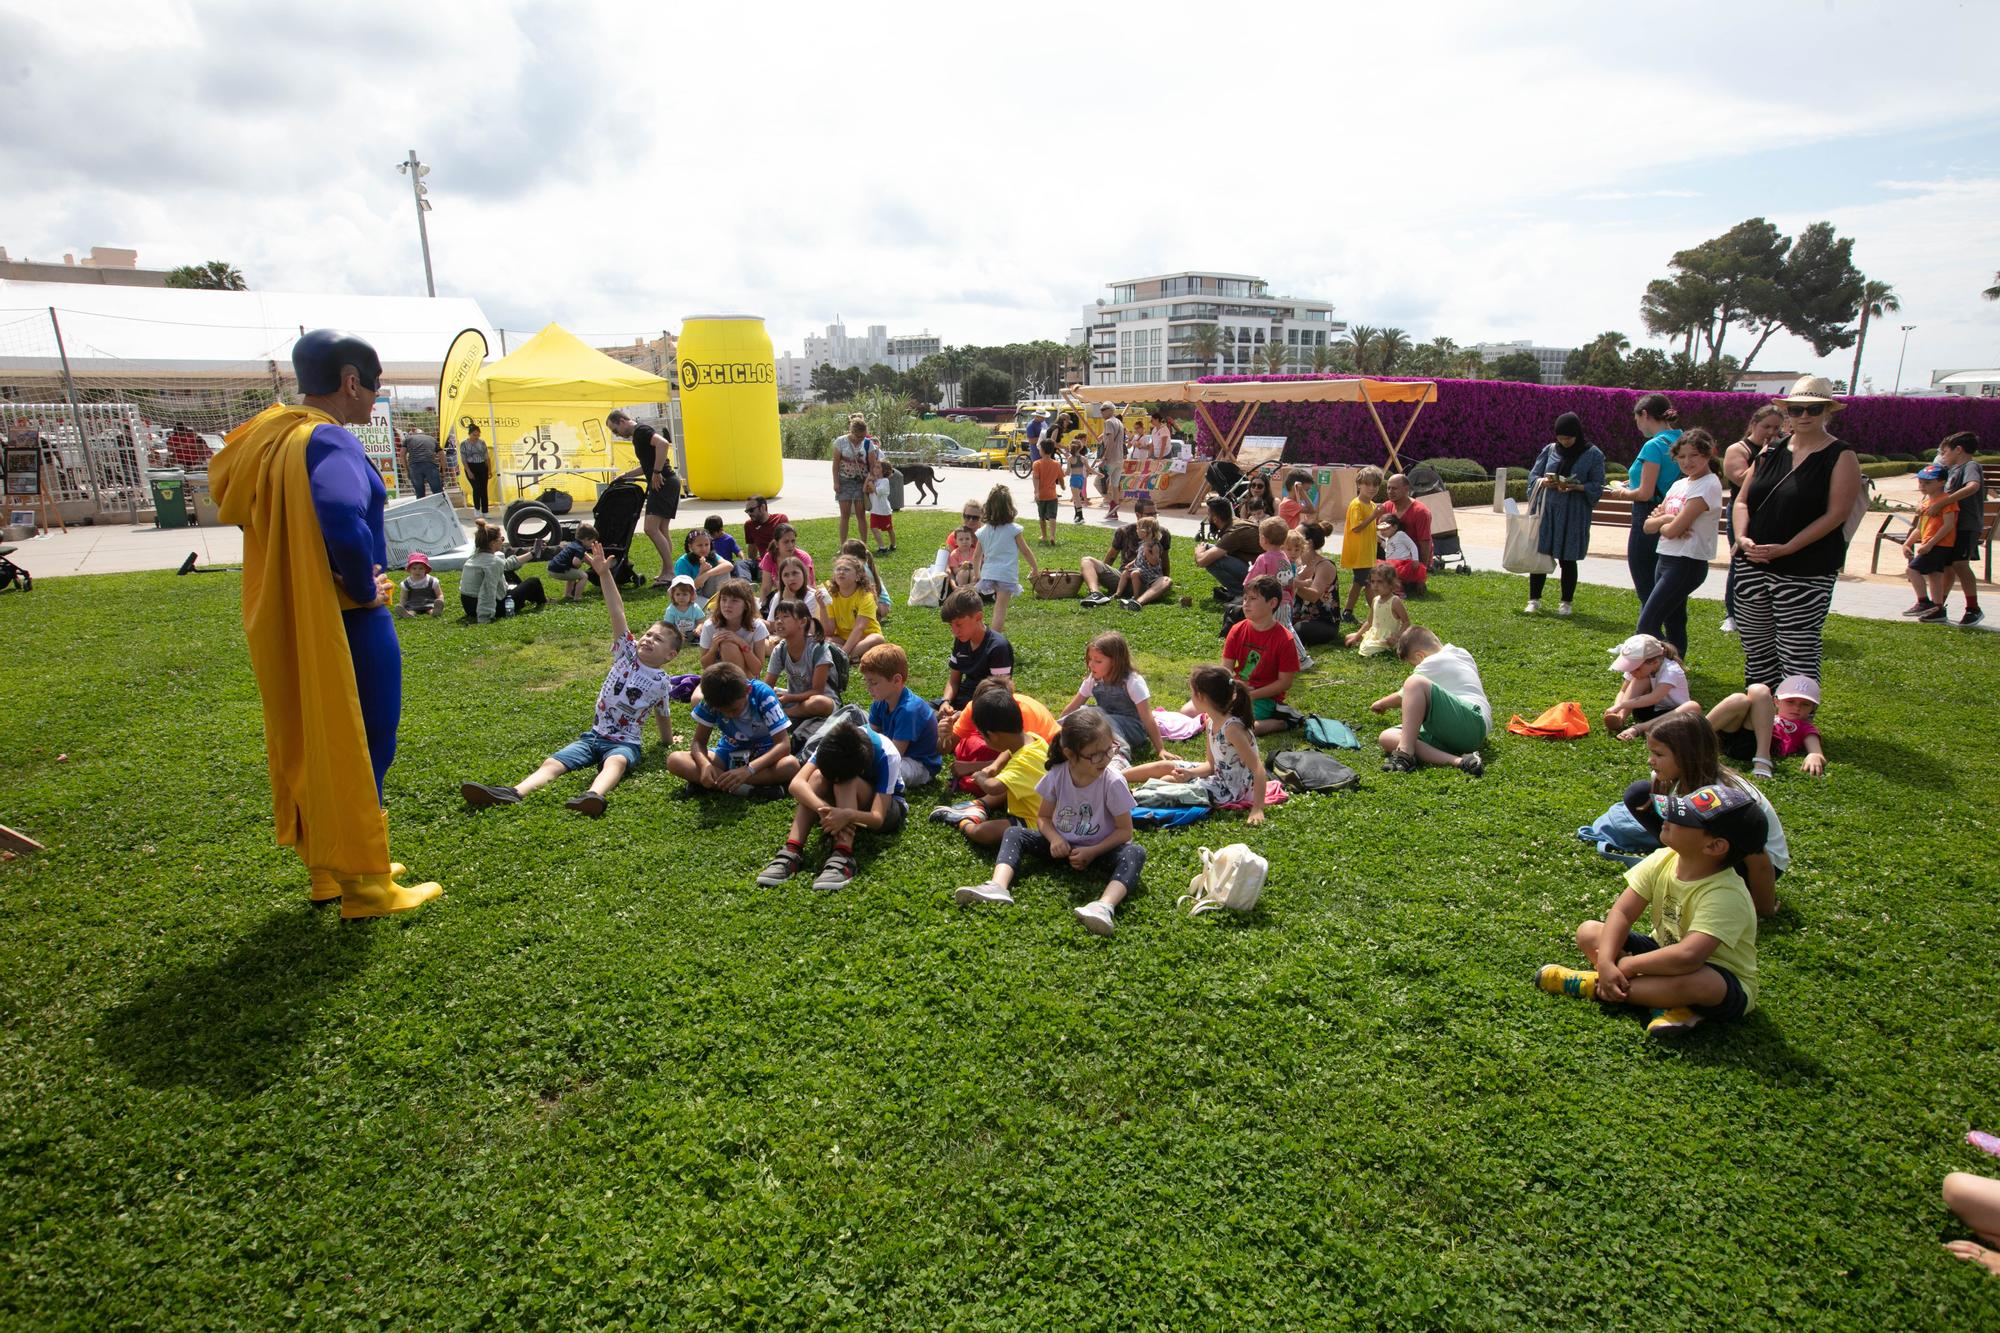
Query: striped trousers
{"points": [[1779, 618]]}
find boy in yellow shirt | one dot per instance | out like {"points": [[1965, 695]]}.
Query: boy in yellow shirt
{"points": [[1701, 960], [1357, 541], [1006, 786]]}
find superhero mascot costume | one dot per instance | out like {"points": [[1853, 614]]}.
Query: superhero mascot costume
{"points": [[315, 611]]}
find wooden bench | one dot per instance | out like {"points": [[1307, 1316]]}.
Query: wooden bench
{"points": [[1896, 524]]}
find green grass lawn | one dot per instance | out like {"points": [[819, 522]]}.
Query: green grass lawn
{"points": [[605, 1082]]}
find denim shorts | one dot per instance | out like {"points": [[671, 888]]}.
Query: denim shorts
{"points": [[591, 749], [1734, 1001], [728, 756]]}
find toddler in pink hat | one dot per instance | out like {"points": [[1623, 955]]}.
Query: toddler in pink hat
{"points": [[421, 594]]}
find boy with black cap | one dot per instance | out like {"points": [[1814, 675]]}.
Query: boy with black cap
{"points": [[1701, 960]]}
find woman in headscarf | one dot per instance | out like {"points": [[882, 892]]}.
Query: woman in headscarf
{"points": [[1566, 480]]}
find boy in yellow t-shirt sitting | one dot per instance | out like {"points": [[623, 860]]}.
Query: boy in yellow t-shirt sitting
{"points": [[1701, 960], [1006, 786]]}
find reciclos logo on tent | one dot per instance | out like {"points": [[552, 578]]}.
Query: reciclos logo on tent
{"points": [[695, 374]]}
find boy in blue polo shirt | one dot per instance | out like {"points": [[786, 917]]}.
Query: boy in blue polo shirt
{"points": [[849, 781], [899, 715], [755, 756], [1700, 962]]}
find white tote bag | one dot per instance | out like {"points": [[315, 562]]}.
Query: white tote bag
{"points": [[1522, 554]]}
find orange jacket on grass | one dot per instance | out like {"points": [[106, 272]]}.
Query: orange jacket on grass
{"points": [[322, 784]]}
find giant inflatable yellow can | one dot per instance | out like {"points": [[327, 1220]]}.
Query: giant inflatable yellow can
{"points": [[729, 407]]}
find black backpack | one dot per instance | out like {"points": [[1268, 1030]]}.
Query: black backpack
{"points": [[1309, 770]]}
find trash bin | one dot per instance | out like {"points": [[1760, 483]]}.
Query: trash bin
{"points": [[895, 489], [170, 508]]}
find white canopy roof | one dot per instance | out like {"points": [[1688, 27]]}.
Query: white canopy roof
{"points": [[129, 332]]}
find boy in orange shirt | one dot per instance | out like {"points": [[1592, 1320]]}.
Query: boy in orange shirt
{"points": [[1931, 545], [1048, 475]]}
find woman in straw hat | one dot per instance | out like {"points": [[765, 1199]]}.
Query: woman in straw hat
{"points": [[1790, 530]]}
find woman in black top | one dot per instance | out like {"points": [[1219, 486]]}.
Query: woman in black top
{"points": [[1766, 424], [1790, 519]]}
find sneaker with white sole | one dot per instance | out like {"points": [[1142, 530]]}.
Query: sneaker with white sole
{"points": [[1563, 610], [1973, 615], [1097, 918], [1669, 1022], [836, 873], [972, 895], [1729, 624], [1534, 605]]}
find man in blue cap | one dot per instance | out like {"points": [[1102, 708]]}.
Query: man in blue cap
{"points": [[316, 614]]}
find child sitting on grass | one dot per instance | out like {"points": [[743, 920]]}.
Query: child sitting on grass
{"points": [[1119, 692], [1004, 787], [1701, 960], [700, 562], [801, 664], [1760, 724], [897, 713], [1684, 758], [1656, 686], [1445, 715], [848, 782], [784, 545], [976, 651], [1147, 566], [1002, 548], [1387, 618], [420, 594], [1261, 653], [1400, 552], [733, 633], [569, 565], [794, 582], [857, 548], [683, 612], [1931, 548], [1084, 814], [725, 547], [755, 756], [851, 608], [1232, 774], [971, 749], [635, 686]]}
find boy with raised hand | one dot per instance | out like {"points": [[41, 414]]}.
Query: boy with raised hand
{"points": [[1445, 715], [1261, 652], [849, 781], [898, 714], [1700, 962], [755, 756], [1004, 790], [635, 686]]}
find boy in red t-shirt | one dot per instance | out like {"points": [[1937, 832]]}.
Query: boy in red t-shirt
{"points": [[1262, 652], [1048, 474]]}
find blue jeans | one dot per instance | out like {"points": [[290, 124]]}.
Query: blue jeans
{"points": [[1229, 573], [426, 474], [1665, 614], [1642, 549]]}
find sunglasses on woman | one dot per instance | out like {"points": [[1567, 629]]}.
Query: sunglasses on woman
{"points": [[1804, 409]]}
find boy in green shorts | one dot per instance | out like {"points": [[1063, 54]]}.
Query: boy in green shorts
{"points": [[1261, 652], [1700, 962], [1445, 714]]}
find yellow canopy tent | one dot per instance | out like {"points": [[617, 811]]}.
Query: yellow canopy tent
{"points": [[543, 407]]}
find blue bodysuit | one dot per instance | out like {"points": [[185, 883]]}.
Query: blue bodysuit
{"points": [[348, 496]]}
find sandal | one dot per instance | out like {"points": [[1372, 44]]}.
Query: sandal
{"points": [[1399, 762], [1471, 764], [784, 865], [839, 869]]}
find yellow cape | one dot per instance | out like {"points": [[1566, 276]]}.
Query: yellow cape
{"points": [[322, 785]]}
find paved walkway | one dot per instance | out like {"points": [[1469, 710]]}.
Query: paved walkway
{"points": [[808, 493]]}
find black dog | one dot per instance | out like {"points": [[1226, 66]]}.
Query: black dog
{"points": [[922, 476]]}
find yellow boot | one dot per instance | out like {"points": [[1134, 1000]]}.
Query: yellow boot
{"points": [[326, 884], [379, 895]]}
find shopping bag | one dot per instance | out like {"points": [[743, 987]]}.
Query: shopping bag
{"points": [[1523, 535]]}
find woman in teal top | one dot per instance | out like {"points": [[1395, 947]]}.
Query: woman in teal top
{"points": [[1653, 471]]}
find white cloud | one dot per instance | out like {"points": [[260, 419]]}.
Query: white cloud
{"points": [[980, 173]]}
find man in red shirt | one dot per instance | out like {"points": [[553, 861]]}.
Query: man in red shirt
{"points": [[1261, 652], [1416, 518], [760, 526]]}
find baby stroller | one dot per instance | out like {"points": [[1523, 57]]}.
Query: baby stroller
{"points": [[12, 574], [533, 526], [1446, 552]]}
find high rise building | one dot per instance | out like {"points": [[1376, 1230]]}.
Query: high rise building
{"points": [[1145, 332], [1549, 360]]}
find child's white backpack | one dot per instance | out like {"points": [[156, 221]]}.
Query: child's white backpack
{"points": [[1232, 878], [926, 587]]}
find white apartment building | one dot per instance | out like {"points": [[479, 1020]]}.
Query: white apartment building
{"points": [[1549, 360], [907, 350], [841, 352], [1142, 334], [836, 348]]}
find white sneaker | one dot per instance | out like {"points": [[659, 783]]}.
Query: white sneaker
{"points": [[1729, 624], [974, 894], [1534, 605], [1563, 610], [1096, 918]]}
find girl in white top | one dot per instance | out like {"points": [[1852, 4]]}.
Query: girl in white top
{"points": [[734, 633], [1686, 523], [1002, 547], [1656, 685], [1234, 771], [1120, 693], [795, 580]]}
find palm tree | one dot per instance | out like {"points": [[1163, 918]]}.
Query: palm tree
{"points": [[217, 275], [1877, 299], [1360, 345], [1271, 358], [1205, 344], [1389, 344], [1323, 359], [1472, 364]]}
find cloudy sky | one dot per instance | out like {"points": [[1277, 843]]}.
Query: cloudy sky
{"points": [[1476, 171]]}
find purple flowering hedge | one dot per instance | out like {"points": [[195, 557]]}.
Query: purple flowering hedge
{"points": [[1499, 423]]}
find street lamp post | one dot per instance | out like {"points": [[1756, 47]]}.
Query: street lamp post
{"points": [[1899, 359], [416, 171]]}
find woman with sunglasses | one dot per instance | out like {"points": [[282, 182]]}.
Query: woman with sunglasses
{"points": [[1653, 473], [1790, 530]]}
